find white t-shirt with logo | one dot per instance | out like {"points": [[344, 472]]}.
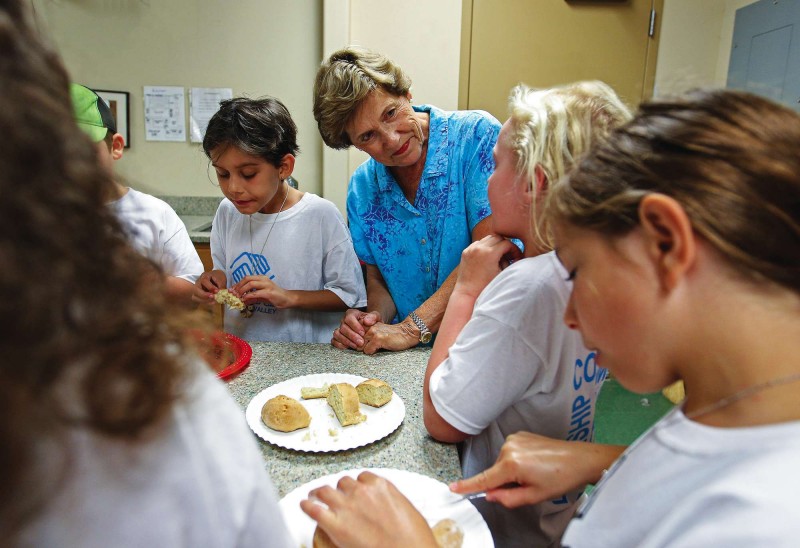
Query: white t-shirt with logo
{"points": [[516, 367], [309, 248]]}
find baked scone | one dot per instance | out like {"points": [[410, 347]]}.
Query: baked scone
{"points": [[448, 534], [374, 392], [223, 296], [321, 539], [343, 399], [285, 414], [310, 392]]}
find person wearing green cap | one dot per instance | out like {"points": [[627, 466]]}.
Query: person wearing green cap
{"points": [[153, 227]]}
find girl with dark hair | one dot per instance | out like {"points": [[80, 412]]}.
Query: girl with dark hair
{"points": [[287, 254]]}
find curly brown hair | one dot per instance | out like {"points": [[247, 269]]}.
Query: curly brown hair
{"points": [[87, 341]]}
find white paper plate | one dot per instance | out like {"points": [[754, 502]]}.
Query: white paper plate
{"points": [[431, 497], [325, 433]]}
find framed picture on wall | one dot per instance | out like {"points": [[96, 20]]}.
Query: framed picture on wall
{"points": [[119, 103]]}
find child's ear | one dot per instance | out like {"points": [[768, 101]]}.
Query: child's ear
{"points": [[117, 146], [537, 187], [670, 238], [541, 181], [286, 166]]}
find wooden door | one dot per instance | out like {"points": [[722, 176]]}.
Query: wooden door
{"points": [[549, 42]]}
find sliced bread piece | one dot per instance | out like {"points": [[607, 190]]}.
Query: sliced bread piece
{"points": [[343, 399], [374, 392]]}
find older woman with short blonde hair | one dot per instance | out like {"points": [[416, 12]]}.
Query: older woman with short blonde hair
{"points": [[415, 205]]}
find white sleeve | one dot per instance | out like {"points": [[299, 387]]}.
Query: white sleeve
{"points": [[489, 368], [341, 269], [180, 258], [343, 275], [218, 229], [503, 351]]}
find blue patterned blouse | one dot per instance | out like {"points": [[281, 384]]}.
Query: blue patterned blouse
{"points": [[416, 246]]}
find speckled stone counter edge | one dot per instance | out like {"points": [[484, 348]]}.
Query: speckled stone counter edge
{"points": [[195, 211], [193, 205]]}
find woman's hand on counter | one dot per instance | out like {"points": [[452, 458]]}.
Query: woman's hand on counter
{"points": [[207, 285], [394, 337], [350, 333], [361, 511]]}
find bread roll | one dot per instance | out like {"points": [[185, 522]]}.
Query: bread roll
{"points": [[374, 392], [285, 414], [343, 398], [448, 534]]}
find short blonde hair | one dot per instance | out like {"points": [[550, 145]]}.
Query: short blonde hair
{"points": [[552, 128], [345, 79]]}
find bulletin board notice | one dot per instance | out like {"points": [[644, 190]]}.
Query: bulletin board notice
{"points": [[203, 104], [164, 113]]}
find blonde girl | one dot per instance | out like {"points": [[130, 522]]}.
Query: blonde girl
{"points": [[503, 360]]}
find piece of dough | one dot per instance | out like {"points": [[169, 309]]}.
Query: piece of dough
{"points": [[310, 392], [343, 399], [374, 392], [674, 392], [223, 296], [448, 534], [285, 414]]}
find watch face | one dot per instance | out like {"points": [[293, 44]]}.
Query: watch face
{"points": [[426, 337]]}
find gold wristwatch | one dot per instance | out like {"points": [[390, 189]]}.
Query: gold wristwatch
{"points": [[425, 334]]}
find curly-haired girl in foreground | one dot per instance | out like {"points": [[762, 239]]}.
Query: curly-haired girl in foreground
{"points": [[111, 431]]}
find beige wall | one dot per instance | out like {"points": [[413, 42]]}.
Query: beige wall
{"points": [[274, 47], [695, 44], [256, 47], [422, 36]]}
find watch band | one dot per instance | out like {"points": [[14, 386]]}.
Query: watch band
{"points": [[425, 334]]}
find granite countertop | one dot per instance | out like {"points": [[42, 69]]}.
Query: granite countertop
{"points": [[407, 448], [196, 212], [199, 227]]}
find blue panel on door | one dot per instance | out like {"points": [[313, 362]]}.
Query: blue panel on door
{"points": [[765, 54], [766, 67]]}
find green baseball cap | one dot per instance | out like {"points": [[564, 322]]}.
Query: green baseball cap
{"points": [[91, 113]]}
